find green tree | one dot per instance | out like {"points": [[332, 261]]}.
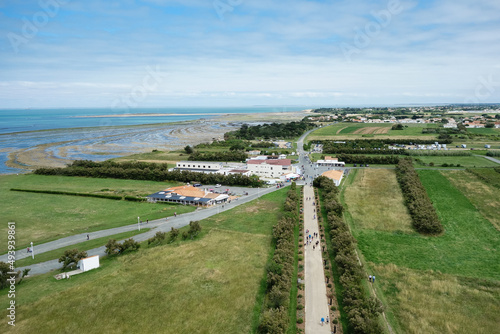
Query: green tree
{"points": [[194, 229], [71, 257], [174, 233], [188, 149]]}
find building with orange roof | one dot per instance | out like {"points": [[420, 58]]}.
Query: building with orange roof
{"points": [[188, 195], [335, 175]]}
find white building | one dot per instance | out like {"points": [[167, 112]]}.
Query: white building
{"points": [[271, 168], [335, 175], [89, 263], [199, 166], [330, 162]]}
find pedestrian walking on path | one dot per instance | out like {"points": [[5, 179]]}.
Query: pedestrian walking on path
{"points": [[327, 320], [88, 237], [373, 279], [322, 321], [370, 278]]}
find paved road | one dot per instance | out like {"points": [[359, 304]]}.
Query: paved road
{"points": [[315, 292], [163, 225], [489, 158]]}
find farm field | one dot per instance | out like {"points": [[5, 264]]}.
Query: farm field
{"points": [[212, 284], [449, 283], [357, 130], [45, 217]]}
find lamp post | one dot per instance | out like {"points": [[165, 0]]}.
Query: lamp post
{"points": [[139, 223], [32, 251]]}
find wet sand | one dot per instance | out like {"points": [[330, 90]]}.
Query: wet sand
{"points": [[102, 143]]}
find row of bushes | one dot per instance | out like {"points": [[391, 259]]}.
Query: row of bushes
{"points": [[422, 212], [274, 318], [71, 193], [493, 153], [146, 171], [363, 159], [362, 311], [219, 156]]}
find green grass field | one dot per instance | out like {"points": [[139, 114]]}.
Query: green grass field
{"points": [[434, 284], [212, 284], [379, 202], [44, 217], [483, 195]]}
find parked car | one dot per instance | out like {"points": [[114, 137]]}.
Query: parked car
{"points": [[217, 185], [197, 185]]}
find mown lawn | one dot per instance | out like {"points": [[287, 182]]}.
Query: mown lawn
{"points": [[44, 217], [212, 284]]}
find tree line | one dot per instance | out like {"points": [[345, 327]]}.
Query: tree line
{"points": [[272, 130], [423, 215], [146, 171], [362, 311], [218, 156], [72, 193], [363, 159], [274, 318]]}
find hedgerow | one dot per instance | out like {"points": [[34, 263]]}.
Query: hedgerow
{"points": [[146, 171], [70, 193], [362, 311], [422, 212], [274, 317]]}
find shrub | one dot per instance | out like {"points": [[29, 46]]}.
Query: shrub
{"points": [[71, 257], [300, 320]]}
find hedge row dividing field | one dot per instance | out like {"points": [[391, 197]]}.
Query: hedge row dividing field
{"points": [[448, 283], [423, 214]]}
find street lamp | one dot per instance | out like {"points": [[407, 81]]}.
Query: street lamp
{"points": [[32, 251], [139, 223]]}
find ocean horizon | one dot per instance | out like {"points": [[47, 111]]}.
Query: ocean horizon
{"points": [[22, 120]]}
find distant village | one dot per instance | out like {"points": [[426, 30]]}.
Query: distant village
{"points": [[479, 121]]}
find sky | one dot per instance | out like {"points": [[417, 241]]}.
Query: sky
{"points": [[318, 53]]}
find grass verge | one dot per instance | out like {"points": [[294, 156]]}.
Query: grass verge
{"points": [[83, 246]]}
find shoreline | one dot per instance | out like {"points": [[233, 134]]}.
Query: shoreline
{"points": [[124, 140]]}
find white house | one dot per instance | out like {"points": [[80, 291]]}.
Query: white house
{"points": [[199, 166], [335, 175], [89, 263], [271, 168]]}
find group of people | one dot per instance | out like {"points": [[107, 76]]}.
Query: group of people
{"points": [[310, 239], [371, 278]]}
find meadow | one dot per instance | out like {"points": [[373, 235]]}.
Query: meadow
{"points": [[212, 284], [449, 283], [354, 130], [45, 217]]}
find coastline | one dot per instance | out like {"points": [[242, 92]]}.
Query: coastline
{"points": [[62, 146]]}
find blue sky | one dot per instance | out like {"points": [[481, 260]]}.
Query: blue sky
{"points": [[68, 53]]}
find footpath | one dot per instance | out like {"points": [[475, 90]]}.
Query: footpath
{"points": [[316, 304], [162, 225]]}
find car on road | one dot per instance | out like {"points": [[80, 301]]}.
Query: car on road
{"points": [[197, 185]]}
